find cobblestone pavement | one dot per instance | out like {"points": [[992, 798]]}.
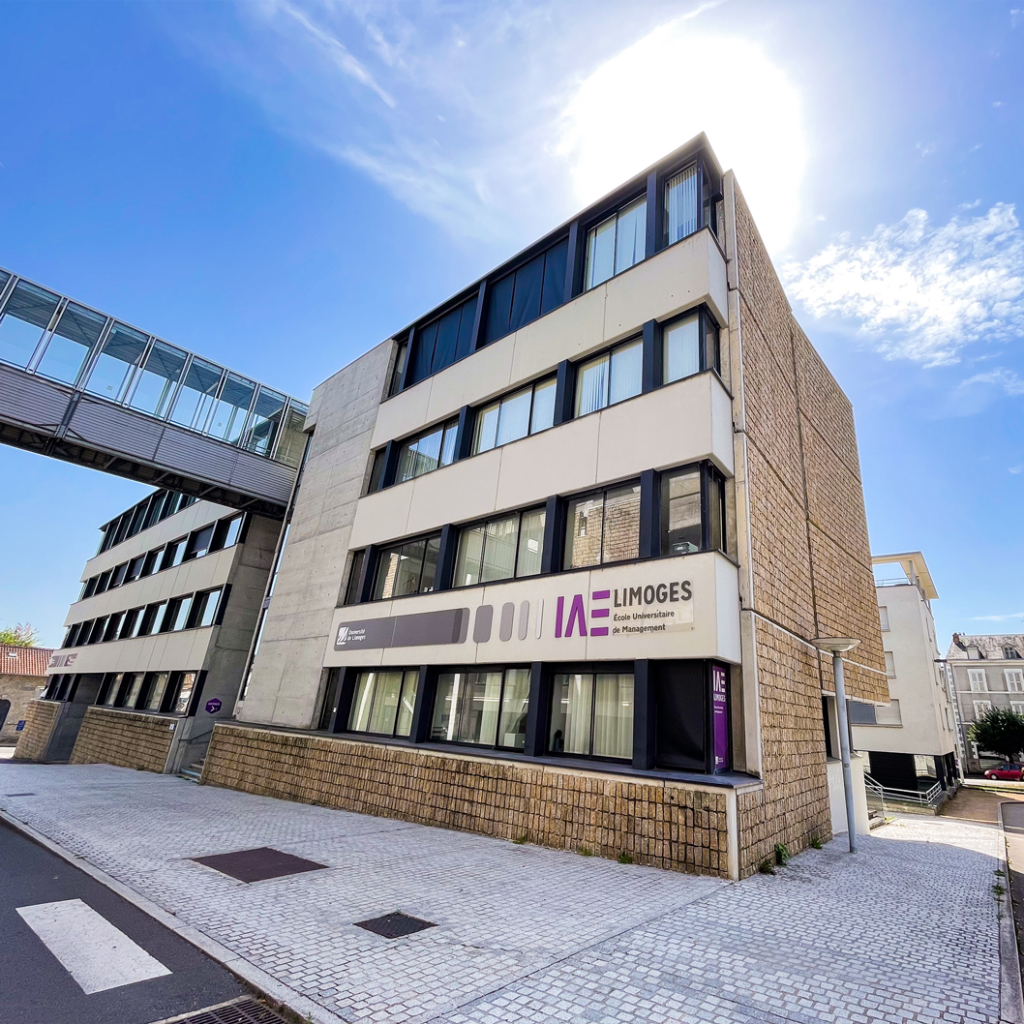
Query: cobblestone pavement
{"points": [[904, 931]]}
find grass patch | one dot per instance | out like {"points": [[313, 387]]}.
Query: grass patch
{"points": [[625, 858]]}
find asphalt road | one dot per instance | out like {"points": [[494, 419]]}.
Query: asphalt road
{"points": [[37, 988]]}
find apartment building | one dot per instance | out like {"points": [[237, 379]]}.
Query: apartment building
{"points": [[912, 741], [560, 547], [157, 640], [987, 672]]}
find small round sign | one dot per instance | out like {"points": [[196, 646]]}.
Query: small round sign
{"points": [[213, 706]]}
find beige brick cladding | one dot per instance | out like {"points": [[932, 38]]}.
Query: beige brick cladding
{"points": [[35, 737], [661, 823], [809, 551], [124, 739]]}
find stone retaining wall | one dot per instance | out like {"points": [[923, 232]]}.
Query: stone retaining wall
{"points": [[123, 738], [35, 737], [663, 824]]}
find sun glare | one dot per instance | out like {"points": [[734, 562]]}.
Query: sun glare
{"points": [[673, 84]]}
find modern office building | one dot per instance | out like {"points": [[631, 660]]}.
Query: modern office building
{"points": [[157, 641], [22, 679], [987, 672], [911, 742], [559, 549]]}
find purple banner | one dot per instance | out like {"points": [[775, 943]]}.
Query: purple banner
{"points": [[720, 717]]}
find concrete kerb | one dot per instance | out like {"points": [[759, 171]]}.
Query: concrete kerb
{"points": [[1011, 997], [277, 994]]}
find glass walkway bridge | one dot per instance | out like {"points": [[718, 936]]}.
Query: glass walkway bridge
{"points": [[82, 386]]}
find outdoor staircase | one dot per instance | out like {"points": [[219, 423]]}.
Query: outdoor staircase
{"points": [[194, 772]]}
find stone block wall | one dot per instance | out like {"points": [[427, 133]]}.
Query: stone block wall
{"points": [[20, 691], [123, 738], [664, 824], [35, 737]]}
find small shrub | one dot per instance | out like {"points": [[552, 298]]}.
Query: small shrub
{"points": [[767, 867], [625, 858], [524, 838], [998, 891], [1001, 874], [781, 854], [815, 843], [585, 851]]}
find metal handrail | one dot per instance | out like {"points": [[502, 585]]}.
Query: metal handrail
{"points": [[914, 796]]}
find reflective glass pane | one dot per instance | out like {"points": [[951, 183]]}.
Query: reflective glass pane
{"points": [[430, 565], [113, 686], [680, 512], [543, 415], [403, 727], [600, 253], [621, 524], [592, 386], [554, 276], [195, 400], [630, 235], [78, 330], [515, 701], [526, 298], [154, 387], [682, 349], [231, 409], [479, 708], [465, 342], [486, 428], [583, 532], [613, 715], [188, 684], [531, 543], [266, 422], [157, 689], [362, 702], [514, 417], [451, 432], [419, 456], [500, 549], [385, 703], [132, 696], [180, 615], [447, 339], [627, 372], [208, 610], [571, 700], [445, 721], [467, 564], [26, 315], [681, 205], [289, 450], [121, 353]]}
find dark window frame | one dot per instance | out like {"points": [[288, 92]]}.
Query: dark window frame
{"points": [[603, 490], [383, 551], [594, 669], [504, 668], [352, 704], [463, 527]]}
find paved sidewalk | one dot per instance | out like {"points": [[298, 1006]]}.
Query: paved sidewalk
{"points": [[905, 931]]}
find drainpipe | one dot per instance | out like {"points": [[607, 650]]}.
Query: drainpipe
{"points": [[836, 646]]}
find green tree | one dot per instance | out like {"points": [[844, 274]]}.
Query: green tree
{"points": [[999, 730], [21, 635]]}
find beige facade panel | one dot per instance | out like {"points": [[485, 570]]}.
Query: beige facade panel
{"points": [[165, 652]]}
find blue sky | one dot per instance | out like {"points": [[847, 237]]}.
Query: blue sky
{"points": [[282, 184]]}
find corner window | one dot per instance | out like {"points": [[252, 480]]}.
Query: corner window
{"points": [[528, 411], [616, 243], [485, 708], [227, 533], [603, 527], [681, 205], [429, 451], [690, 345], [383, 703], [610, 377], [407, 568], [681, 528], [500, 549], [592, 715]]}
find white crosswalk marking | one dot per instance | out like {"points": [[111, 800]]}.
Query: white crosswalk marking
{"points": [[95, 953]]}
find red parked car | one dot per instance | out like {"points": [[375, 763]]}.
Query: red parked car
{"points": [[1008, 772]]}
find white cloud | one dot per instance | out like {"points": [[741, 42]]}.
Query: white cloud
{"points": [[997, 618], [1011, 382], [920, 292], [499, 119]]}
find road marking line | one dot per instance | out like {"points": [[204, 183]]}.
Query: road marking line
{"points": [[95, 953]]}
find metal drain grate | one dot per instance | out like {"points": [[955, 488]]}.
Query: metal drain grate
{"points": [[259, 864], [244, 1011], [394, 926]]}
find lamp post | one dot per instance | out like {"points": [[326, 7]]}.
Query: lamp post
{"points": [[837, 646]]}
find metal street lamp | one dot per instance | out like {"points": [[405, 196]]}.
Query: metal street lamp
{"points": [[837, 646]]}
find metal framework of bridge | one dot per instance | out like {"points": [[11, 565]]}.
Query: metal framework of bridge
{"points": [[82, 386]]}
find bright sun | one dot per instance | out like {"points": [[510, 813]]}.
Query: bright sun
{"points": [[673, 84]]}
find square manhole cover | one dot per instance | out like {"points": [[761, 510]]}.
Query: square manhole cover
{"points": [[394, 926], [258, 865]]}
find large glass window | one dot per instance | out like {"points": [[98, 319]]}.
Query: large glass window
{"points": [[173, 553], [199, 542], [78, 330], [534, 289], [152, 619], [204, 609], [603, 527], [616, 243], [431, 450], [293, 438], [500, 549], [227, 533], [266, 421], [231, 409], [183, 685], [111, 689], [122, 352], [592, 715], [407, 568], [383, 703], [682, 343], [681, 205], [681, 529], [154, 387], [487, 708], [131, 689], [442, 342], [177, 616], [527, 411], [610, 377], [27, 314], [197, 394], [156, 690]]}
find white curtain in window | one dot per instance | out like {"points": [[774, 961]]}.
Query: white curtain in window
{"points": [[613, 715], [579, 695], [592, 388], [467, 565], [359, 717], [630, 235], [514, 418], [500, 549], [626, 372], [601, 253], [543, 415], [682, 349], [681, 205]]}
